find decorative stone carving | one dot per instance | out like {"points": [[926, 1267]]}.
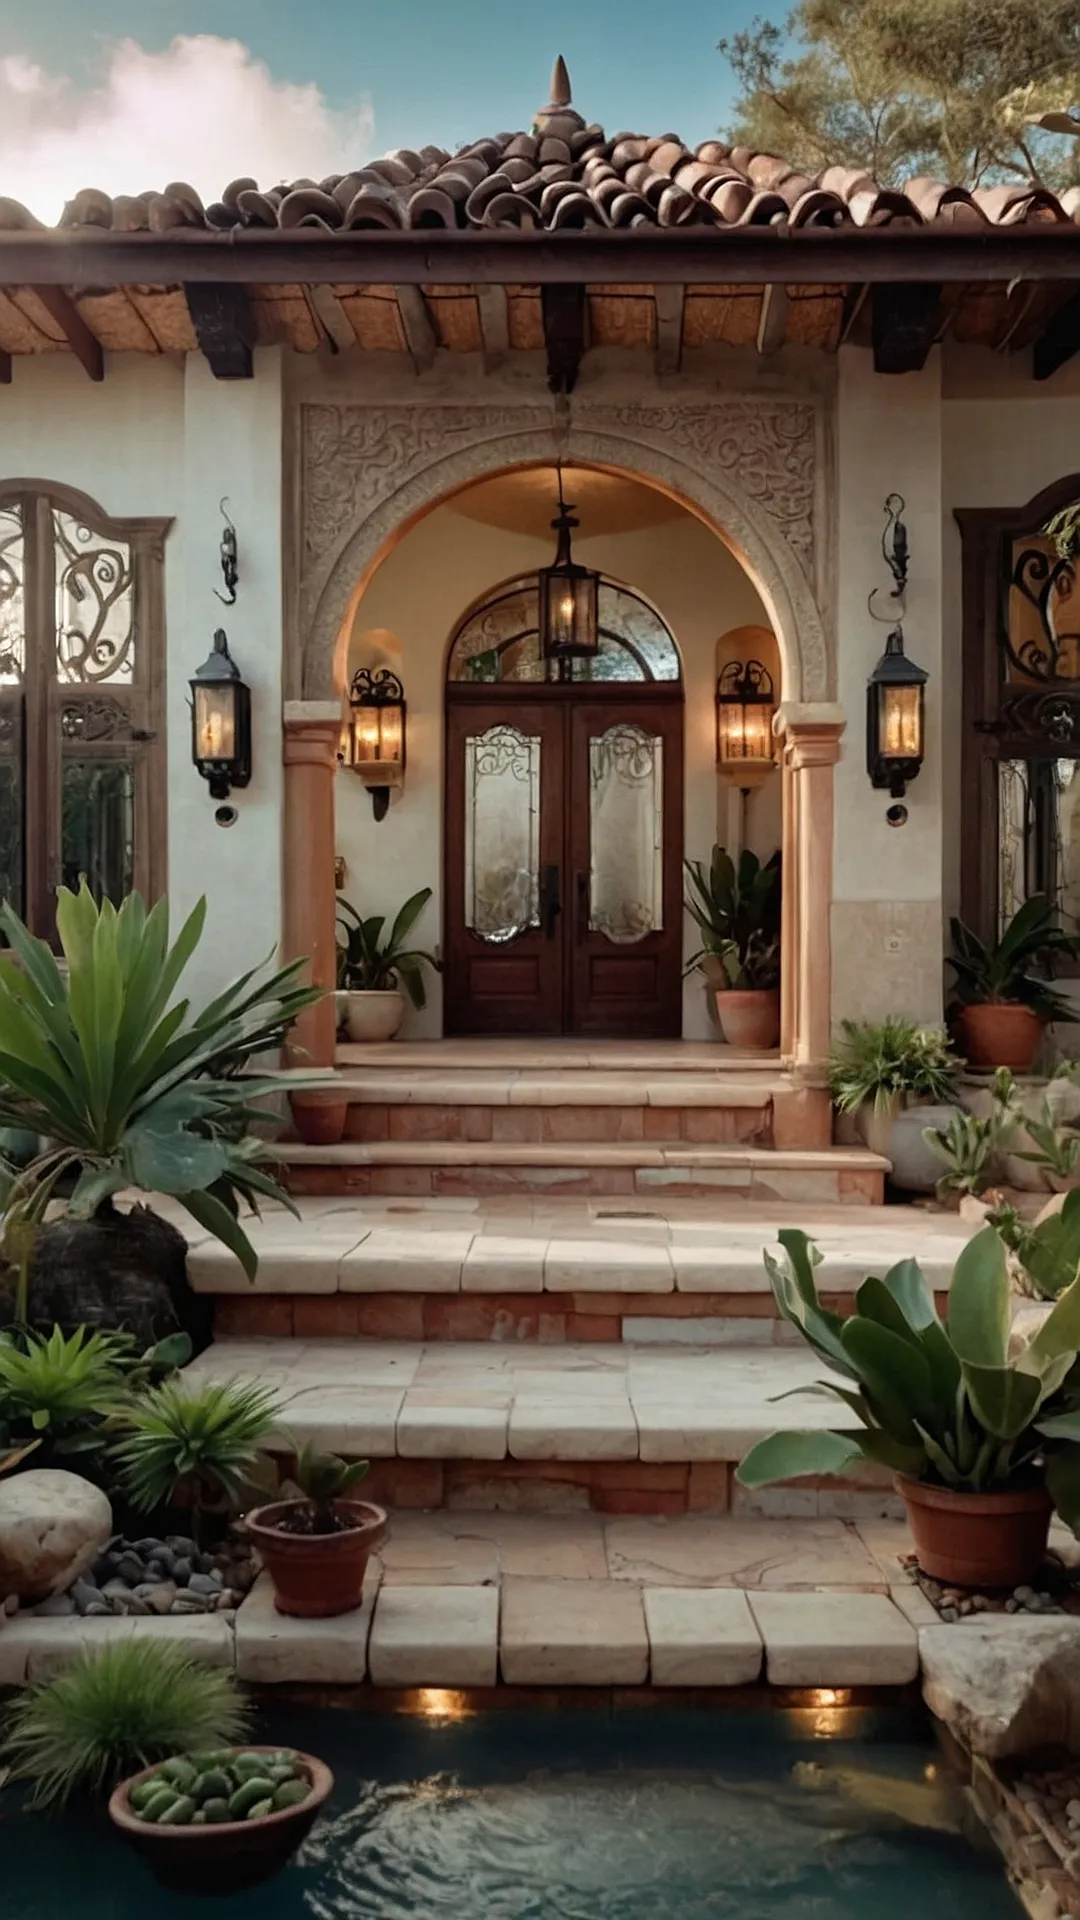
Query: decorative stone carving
{"points": [[748, 464]]}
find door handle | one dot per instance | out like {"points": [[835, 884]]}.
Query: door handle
{"points": [[550, 904], [581, 883]]}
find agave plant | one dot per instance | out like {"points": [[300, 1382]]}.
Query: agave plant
{"points": [[953, 1405], [737, 909], [60, 1391], [1014, 969], [127, 1084], [369, 964], [208, 1436]]}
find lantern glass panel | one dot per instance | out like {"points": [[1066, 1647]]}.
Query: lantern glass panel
{"points": [[390, 733], [569, 622], [901, 722], [215, 721]]}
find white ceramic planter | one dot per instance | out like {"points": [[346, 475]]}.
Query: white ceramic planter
{"points": [[374, 1016], [897, 1134]]}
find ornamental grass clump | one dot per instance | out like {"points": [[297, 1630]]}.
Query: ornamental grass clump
{"points": [[114, 1712], [878, 1063]]}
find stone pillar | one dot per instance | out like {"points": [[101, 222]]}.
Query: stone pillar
{"points": [[312, 735], [811, 750]]}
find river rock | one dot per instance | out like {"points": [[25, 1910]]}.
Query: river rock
{"points": [[53, 1525], [1007, 1684]]}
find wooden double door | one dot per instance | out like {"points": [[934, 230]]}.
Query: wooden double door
{"points": [[564, 838]]}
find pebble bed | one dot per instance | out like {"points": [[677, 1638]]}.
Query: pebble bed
{"points": [[1058, 1594], [149, 1576], [1050, 1799]]}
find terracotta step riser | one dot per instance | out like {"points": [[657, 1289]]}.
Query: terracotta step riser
{"points": [[731, 1318], [615, 1487], [802, 1186], [563, 1126]]}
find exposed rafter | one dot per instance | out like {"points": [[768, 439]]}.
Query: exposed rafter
{"points": [[565, 311], [494, 322], [772, 322], [1059, 341], [224, 328], [670, 307], [331, 317], [84, 345], [420, 336], [905, 321]]}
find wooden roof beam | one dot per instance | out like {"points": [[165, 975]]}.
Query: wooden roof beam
{"points": [[565, 310], [494, 310], [905, 320], [773, 319], [1059, 340], [224, 328], [84, 345], [418, 326], [670, 307]]}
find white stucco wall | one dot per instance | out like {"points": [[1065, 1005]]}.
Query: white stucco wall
{"points": [[420, 592], [162, 437], [887, 904]]}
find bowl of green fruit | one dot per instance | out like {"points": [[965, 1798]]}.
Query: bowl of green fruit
{"points": [[219, 1821]]}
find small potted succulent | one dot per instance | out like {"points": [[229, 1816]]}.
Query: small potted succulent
{"points": [[1004, 999], [372, 969], [980, 1425], [896, 1079], [223, 1819], [316, 1546], [737, 909]]}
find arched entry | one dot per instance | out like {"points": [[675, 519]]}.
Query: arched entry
{"points": [[563, 824]]}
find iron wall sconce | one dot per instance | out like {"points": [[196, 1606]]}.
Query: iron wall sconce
{"points": [[745, 706], [376, 744], [221, 721], [896, 690], [569, 596]]}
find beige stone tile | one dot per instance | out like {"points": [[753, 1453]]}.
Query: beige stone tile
{"points": [[435, 1637], [355, 1421], [448, 1432], [572, 1633], [600, 1266], [887, 1542], [701, 1638], [914, 1605], [551, 1428], [273, 1649], [702, 1551], [570, 1547], [504, 1263], [702, 1268], [400, 1260], [439, 1549], [835, 1640], [32, 1649], [713, 1330]]}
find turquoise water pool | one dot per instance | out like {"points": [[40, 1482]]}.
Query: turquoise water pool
{"points": [[641, 1815]]}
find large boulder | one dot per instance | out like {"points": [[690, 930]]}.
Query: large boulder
{"points": [[126, 1270], [52, 1526], [1005, 1683]]}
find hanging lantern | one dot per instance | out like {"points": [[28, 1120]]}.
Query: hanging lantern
{"points": [[221, 721], [569, 597], [895, 718], [377, 733], [745, 705]]}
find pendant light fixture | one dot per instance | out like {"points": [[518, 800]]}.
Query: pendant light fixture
{"points": [[569, 596]]}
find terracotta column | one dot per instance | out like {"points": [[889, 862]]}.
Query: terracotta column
{"points": [[312, 734], [811, 750]]}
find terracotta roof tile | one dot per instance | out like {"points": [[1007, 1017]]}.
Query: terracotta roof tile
{"points": [[563, 173]]}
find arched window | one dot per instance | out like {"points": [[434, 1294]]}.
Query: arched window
{"points": [[500, 639], [82, 746]]}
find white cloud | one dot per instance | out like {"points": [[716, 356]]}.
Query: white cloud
{"points": [[205, 110]]}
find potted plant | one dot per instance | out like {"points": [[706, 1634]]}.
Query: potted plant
{"points": [[372, 970], [316, 1547], [984, 1440], [320, 1112], [879, 1070], [223, 1819], [737, 909], [1003, 994]]}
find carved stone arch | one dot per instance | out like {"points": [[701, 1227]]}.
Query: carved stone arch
{"points": [[745, 467]]}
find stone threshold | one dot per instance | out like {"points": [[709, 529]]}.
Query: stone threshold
{"points": [[569, 1086], [557, 1055], [584, 1153]]}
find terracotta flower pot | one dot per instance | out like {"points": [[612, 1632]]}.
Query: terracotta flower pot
{"points": [[977, 1540], [999, 1035], [225, 1858], [373, 1016], [318, 1574], [319, 1118], [749, 1019]]}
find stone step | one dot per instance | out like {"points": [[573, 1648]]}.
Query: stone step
{"points": [[436, 1167], [512, 1056]]}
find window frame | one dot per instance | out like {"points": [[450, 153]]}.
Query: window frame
{"points": [[117, 715]]}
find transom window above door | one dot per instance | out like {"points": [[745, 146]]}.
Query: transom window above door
{"points": [[499, 641], [82, 749]]}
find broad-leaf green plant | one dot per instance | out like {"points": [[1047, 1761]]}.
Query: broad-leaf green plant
{"points": [[877, 1062], [130, 1086], [370, 963], [208, 1436], [112, 1712], [322, 1478], [736, 905], [951, 1405], [1015, 970], [1056, 1149], [1047, 1252]]}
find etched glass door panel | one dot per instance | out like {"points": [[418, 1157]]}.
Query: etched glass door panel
{"points": [[98, 827], [626, 834], [502, 833]]}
